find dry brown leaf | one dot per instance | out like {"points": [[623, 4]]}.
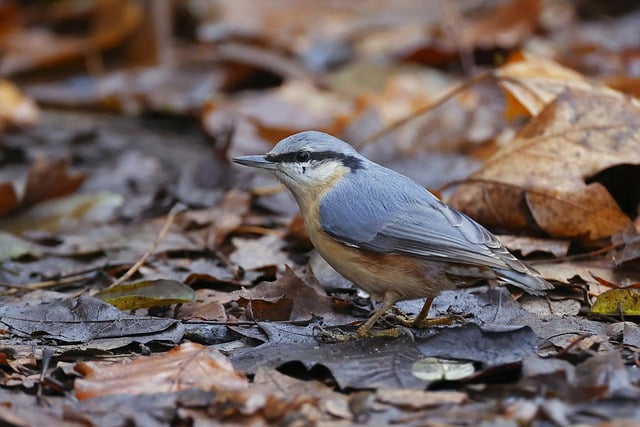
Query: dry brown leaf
{"points": [[528, 245], [505, 26], [223, 219], [419, 399], [267, 309], [293, 107], [335, 24], [584, 271], [594, 212], [541, 174], [532, 82], [30, 49], [461, 30], [49, 179], [267, 380], [212, 311], [227, 216], [307, 300], [8, 198], [185, 367]]}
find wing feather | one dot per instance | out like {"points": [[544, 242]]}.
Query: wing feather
{"points": [[387, 212]]}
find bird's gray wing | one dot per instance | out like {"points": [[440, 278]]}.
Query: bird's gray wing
{"points": [[438, 232], [399, 216]]}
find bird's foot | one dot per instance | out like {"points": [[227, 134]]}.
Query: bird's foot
{"points": [[338, 335], [401, 318]]}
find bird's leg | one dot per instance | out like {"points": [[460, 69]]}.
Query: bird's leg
{"points": [[365, 331]]}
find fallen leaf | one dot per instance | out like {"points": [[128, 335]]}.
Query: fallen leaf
{"points": [[48, 179], [256, 253], [12, 247], [84, 319], [208, 311], [302, 300], [180, 90], [29, 49], [184, 367], [132, 242], [434, 369], [8, 198], [508, 24], [618, 302], [221, 220], [65, 213], [278, 309], [277, 113], [15, 107], [561, 307], [371, 363], [492, 347], [541, 174], [527, 245], [495, 26], [268, 380], [583, 271], [601, 376], [532, 82], [147, 293], [420, 399], [337, 26]]}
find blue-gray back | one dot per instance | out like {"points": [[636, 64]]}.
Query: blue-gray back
{"points": [[380, 210]]}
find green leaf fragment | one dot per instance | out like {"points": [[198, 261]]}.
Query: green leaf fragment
{"points": [[148, 293], [434, 369], [618, 301]]}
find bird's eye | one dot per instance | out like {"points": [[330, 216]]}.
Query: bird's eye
{"points": [[302, 156]]}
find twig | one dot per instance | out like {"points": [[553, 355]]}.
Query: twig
{"points": [[175, 210], [420, 111], [254, 229], [452, 21]]}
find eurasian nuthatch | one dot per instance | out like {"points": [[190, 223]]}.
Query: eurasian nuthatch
{"points": [[382, 230]]}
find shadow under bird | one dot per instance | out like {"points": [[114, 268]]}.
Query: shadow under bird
{"points": [[383, 231]]}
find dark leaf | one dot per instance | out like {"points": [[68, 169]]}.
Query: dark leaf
{"points": [[84, 319], [491, 347]]}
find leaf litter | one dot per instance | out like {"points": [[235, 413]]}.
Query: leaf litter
{"points": [[543, 150]]}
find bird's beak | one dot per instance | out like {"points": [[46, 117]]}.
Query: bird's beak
{"points": [[256, 162]]}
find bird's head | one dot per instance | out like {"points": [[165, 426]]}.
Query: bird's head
{"points": [[308, 163]]}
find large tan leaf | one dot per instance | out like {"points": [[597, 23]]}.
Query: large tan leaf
{"points": [[531, 83], [187, 366], [538, 180]]}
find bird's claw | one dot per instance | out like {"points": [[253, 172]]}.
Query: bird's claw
{"points": [[423, 323], [338, 335], [400, 318]]}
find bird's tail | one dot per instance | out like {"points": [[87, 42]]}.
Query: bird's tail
{"points": [[531, 281]]}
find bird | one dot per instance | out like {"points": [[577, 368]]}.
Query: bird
{"points": [[385, 232]]}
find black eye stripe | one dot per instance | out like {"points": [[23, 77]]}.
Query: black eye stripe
{"points": [[349, 161]]}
